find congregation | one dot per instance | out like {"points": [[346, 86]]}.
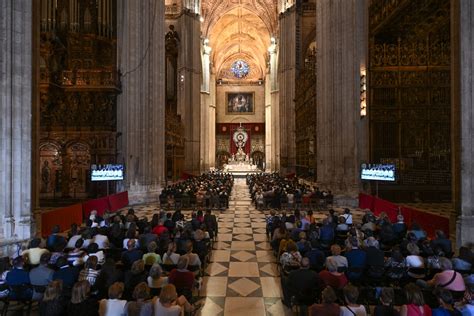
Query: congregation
{"points": [[119, 264], [340, 266]]}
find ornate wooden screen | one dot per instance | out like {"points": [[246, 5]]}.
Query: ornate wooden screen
{"points": [[409, 95]]}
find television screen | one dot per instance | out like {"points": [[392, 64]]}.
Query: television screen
{"points": [[106, 172], [381, 172]]}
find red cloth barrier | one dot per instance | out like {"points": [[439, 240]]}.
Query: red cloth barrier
{"points": [[100, 205], [429, 222], [63, 217], [118, 201], [389, 208], [366, 201]]}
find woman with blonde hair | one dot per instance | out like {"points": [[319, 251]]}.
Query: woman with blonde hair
{"points": [[170, 304], [81, 303], [114, 305], [53, 303], [141, 306]]}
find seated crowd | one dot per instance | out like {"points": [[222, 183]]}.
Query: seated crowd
{"points": [[342, 267], [210, 190], [270, 190], [115, 265]]}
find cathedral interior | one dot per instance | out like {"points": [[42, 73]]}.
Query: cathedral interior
{"points": [[171, 89]]}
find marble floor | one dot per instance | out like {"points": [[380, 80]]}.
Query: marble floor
{"points": [[242, 278]]}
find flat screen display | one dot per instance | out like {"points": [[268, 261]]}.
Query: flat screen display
{"points": [[107, 172], [380, 172]]}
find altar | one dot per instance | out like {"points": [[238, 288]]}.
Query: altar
{"points": [[240, 166]]}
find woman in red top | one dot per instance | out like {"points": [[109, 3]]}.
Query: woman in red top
{"points": [[331, 277], [416, 304], [181, 277]]}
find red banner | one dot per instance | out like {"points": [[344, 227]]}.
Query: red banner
{"points": [[118, 201], [100, 205], [428, 221], [63, 217]]}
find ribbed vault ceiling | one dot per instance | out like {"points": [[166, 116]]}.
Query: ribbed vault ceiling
{"points": [[239, 29]]}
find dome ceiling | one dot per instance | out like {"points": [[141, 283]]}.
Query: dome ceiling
{"points": [[239, 30]]}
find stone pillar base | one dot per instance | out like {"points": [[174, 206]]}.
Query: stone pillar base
{"points": [[464, 230], [140, 194]]}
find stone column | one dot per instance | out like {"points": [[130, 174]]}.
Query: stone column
{"points": [[268, 123], [189, 88], [211, 108], [205, 106], [463, 22], [15, 119], [342, 136], [141, 106], [286, 85]]}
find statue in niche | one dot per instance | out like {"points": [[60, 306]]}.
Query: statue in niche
{"points": [[45, 177], [65, 177], [172, 36]]}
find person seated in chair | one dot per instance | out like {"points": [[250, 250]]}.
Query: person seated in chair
{"points": [[131, 255], [300, 283], [375, 259], [54, 238], [291, 258], [342, 226], [340, 261], [316, 256], [356, 258], [328, 306], [331, 277], [448, 279], [446, 301], [351, 294], [193, 258], [181, 277], [442, 242], [385, 307], [41, 276], [34, 252], [67, 274], [18, 277]]}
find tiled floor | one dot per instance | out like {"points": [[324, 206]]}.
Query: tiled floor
{"points": [[242, 278]]}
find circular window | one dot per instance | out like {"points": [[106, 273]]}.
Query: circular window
{"points": [[240, 69]]}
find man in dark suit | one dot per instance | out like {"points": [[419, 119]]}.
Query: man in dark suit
{"points": [[131, 254], [66, 273], [301, 283]]}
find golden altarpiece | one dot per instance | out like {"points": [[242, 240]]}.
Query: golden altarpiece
{"points": [[79, 84]]}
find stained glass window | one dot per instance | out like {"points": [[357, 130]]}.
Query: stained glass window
{"points": [[240, 69]]}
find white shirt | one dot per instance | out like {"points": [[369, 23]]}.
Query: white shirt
{"points": [[174, 257], [125, 242], [102, 241], [348, 218], [100, 257], [112, 307], [359, 311], [415, 262], [72, 241]]}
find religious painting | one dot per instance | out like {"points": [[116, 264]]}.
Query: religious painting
{"points": [[240, 103]]}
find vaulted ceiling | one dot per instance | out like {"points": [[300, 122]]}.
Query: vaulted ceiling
{"points": [[239, 29]]}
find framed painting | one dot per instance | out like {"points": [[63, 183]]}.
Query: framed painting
{"points": [[240, 102]]}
